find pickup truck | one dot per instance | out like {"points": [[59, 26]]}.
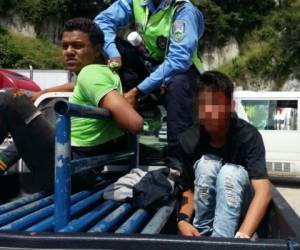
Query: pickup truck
{"points": [[82, 220]]}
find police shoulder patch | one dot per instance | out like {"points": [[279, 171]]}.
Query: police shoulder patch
{"points": [[178, 30]]}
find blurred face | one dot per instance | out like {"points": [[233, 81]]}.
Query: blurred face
{"points": [[214, 110], [77, 50]]}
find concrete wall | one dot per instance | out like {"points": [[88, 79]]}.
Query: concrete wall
{"points": [[214, 57], [14, 23]]}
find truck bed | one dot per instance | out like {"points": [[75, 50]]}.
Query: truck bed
{"points": [[279, 230], [29, 224]]}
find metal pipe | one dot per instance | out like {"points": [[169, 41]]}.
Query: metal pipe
{"points": [[158, 221], [21, 202], [62, 172], [113, 219], [83, 223], [63, 107], [39, 215], [134, 223], [133, 145], [21, 211], [84, 164], [63, 165], [31, 72], [49, 223]]}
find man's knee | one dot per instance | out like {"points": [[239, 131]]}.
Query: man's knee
{"points": [[207, 168], [22, 109], [236, 172], [207, 163], [232, 181]]}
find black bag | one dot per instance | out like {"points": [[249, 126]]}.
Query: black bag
{"points": [[154, 189]]}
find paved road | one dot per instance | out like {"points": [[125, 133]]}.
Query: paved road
{"points": [[292, 195]]}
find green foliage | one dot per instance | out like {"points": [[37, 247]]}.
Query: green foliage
{"points": [[18, 52], [30, 10], [245, 15], [271, 51], [6, 5], [269, 35], [232, 18], [216, 28], [3, 31], [35, 11], [290, 40], [9, 53]]}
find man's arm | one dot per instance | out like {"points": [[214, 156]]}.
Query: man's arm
{"points": [[257, 208], [117, 15], [256, 163], [187, 208], [123, 113], [67, 87]]}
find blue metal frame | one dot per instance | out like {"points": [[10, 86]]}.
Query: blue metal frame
{"points": [[65, 167]]}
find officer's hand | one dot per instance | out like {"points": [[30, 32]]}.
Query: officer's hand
{"points": [[187, 229], [132, 97], [115, 63]]}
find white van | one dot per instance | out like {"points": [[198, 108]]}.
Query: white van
{"points": [[276, 116]]}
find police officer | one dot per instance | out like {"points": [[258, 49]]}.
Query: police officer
{"points": [[170, 30]]}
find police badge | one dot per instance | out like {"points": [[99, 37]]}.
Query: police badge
{"points": [[161, 42]]}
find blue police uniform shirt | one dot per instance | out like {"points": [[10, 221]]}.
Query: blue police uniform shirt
{"points": [[179, 56]]}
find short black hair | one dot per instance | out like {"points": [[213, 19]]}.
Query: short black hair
{"points": [[216, 81], [87, 26]]}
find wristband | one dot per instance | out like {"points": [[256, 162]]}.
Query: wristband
{"points": [[240, 235], [183, 216]]}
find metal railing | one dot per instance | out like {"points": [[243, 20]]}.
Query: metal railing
{"points": [[65, 167]]}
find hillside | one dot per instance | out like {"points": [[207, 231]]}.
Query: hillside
{"points": [[267, 35], [269, 55], [17, 51]]}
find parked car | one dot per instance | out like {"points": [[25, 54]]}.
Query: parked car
{"points": [[13, 80]]}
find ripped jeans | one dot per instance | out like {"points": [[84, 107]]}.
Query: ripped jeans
{"points": [[222, 192]]}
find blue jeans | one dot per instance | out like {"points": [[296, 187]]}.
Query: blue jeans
{"points": [[221, 191]]}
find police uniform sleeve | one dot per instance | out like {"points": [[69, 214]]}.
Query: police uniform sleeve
{"points": [[117, 15], [187, 29]]}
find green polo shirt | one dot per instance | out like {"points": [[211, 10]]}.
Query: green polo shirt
{"points": [[93, 83]]}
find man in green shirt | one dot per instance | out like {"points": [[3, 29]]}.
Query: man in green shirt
{"points": [[93, 83], [97, 85]]}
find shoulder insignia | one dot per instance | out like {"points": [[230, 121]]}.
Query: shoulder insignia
{"points": [[178, 30]]}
